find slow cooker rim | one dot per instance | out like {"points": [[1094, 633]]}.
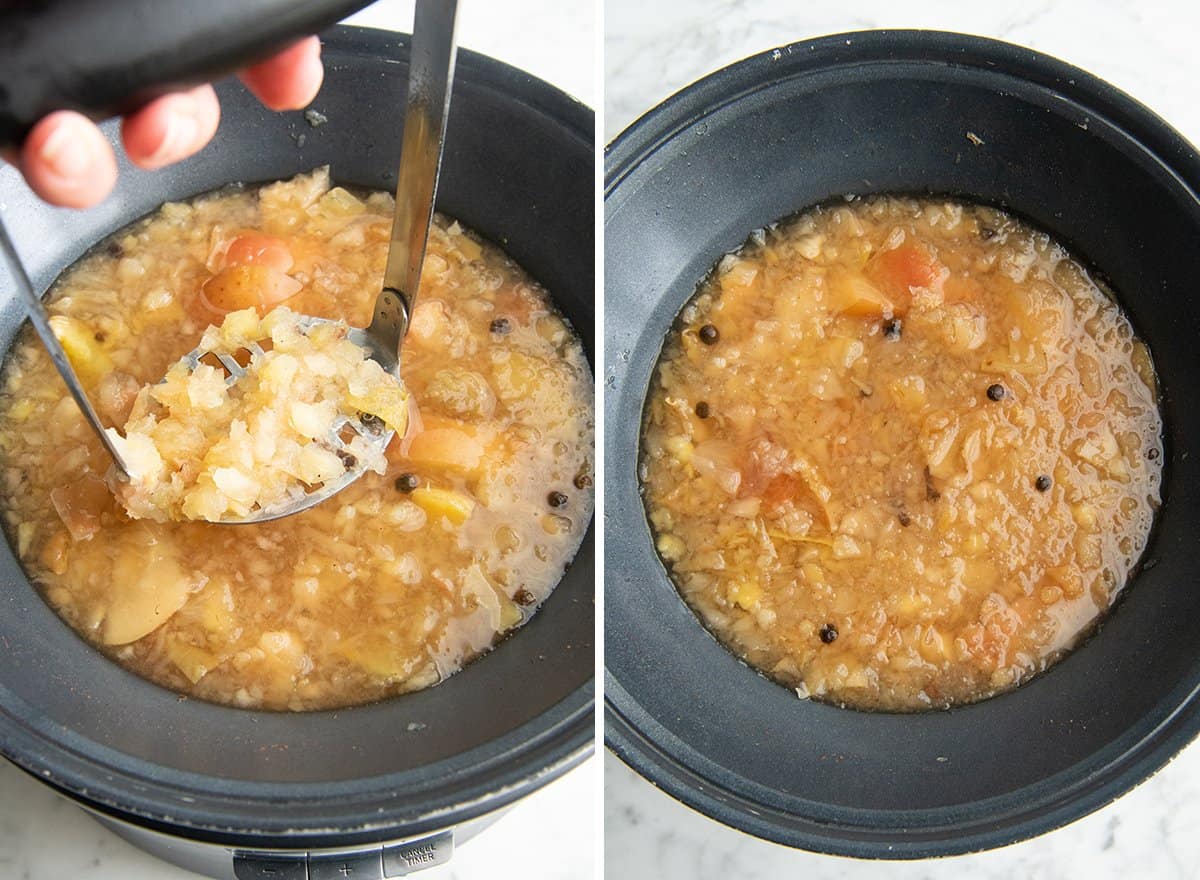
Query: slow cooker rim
{"points": [[629, 151], [534, 92], [272, 822], [644, 135]]}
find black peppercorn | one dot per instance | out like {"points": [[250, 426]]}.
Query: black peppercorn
{"points": [[501, 326], [905, 519], [1152, 455], [407, 482], [995, 392], [347, 458], [523, 597], [709, 334], [931, 489], [892, 328], [703, 410], [556, 499], [1043, 483], [583, 481], [829, 633]]}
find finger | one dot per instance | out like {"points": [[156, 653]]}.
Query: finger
{"points": [[289, 80], [67, 161], [171, 128]]}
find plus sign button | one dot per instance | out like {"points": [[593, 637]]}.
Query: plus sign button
{"points": [[351, 866]]}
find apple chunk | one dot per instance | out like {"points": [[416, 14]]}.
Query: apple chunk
{"points": [[148, 587]]}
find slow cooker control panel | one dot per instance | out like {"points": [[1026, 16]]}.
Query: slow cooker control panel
{"points": [[378, 863]]}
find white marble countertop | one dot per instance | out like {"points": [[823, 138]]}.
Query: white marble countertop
{"points": [[43, 837], [1147, 49]]}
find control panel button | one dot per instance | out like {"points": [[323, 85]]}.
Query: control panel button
{"points": [[256, 866], [347, 866], [400, 859]]}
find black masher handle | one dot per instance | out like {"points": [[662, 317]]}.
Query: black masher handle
{"points": [[104, 57]]}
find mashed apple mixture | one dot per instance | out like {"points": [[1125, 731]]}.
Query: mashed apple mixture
{"points": [[200, 446], [389, 586], [901, 454]]}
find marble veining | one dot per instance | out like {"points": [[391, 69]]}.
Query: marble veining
{"points": [[651, 50], [547, 836]]}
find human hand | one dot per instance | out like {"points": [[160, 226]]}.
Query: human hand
{"points": [[67, 161]]}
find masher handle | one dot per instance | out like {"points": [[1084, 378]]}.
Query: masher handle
{"points": [[430, 75], [105, 57]]}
